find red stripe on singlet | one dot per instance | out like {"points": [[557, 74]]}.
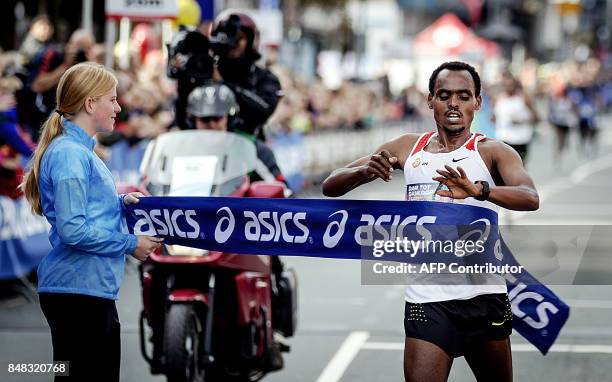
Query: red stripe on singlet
{"points": [[422, 142], [471, 145]]}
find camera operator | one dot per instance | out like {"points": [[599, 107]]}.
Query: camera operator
{"points": [[190, 63], [229, 58], [234, 42]]}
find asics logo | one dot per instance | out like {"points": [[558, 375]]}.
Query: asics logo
{"points": [[166, 223], [390, 227], [271, 226], [263, 226], [483, 235], [331, 240], [222, 234], [523, 301]]}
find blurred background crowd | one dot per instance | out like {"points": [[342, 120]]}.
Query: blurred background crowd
{"points": [[354, 73], [343, 65]]}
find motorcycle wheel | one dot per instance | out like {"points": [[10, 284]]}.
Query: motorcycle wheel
{"points": [[182, 344], [253, 376], [249, 376]]}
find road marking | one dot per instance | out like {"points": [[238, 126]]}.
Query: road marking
{"points": [[343, 357], [578, 175], [590, 168], [516, 348]]}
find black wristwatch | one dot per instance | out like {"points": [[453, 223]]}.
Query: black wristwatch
{"points": [[484, 194]]}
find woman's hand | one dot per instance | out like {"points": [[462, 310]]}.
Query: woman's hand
{"points": [[146, 245], [132, 198]]}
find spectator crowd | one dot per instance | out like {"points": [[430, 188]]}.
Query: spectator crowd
{"points": [[568, 96]]}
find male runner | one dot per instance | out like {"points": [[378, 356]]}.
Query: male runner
{"points": [[470, 317]]}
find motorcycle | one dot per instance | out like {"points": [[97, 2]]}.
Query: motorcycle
{"points": [[209, 316]]}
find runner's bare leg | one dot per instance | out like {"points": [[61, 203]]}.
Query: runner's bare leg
{"points": [[490, 360], [424, 361]]}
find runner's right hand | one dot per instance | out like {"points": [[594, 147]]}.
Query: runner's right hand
{"points": [[146, 245], [380, 165]]}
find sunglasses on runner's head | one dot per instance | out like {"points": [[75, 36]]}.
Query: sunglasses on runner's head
{"points": [[213, 118]]}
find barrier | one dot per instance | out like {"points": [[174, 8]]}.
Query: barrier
{"points": [[23, 238], [327, 150]]}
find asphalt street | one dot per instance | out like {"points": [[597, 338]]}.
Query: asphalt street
{"points": [[351, 332]]}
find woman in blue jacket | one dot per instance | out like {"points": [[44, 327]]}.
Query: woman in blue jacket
{"points": [[69, 185]]}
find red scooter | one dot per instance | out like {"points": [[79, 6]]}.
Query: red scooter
{"points": [[210, 316]]}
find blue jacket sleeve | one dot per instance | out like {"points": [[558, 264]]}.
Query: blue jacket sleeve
{"points": [[70, 203], [73, 228]]}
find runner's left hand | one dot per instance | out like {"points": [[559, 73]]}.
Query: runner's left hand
{"points": [[459, 186]]}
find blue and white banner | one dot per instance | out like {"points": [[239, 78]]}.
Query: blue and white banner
{"points": [[24, 238], [341, 229]]}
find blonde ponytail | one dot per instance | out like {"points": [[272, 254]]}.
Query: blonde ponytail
{"points": [[51, 129]]}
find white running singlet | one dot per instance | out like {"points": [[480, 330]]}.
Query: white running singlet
{"points": [[419, 169]]}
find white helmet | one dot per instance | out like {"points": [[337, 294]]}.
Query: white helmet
{"points": [[212, 100]]}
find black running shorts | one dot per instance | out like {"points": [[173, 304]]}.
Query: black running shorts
{"points": [[453, 324]]}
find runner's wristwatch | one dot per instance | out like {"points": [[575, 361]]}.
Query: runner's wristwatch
{"points": [[484, 194]]}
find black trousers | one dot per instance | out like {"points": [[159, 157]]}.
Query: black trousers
{"points": [[85, 331]]}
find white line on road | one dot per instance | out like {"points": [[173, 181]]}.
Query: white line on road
{"points": [[578, 175], [590, 168], [343, 357], [516, 348]]}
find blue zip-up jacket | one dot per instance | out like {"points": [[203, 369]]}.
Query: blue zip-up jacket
{"points": [[80, 202]]}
